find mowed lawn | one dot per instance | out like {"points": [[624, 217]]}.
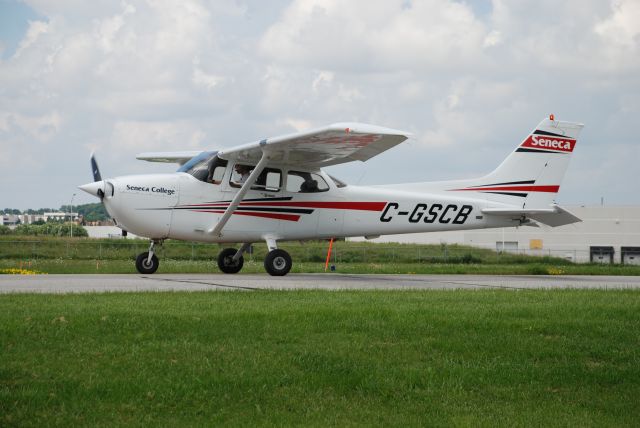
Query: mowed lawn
{"points": [[361, 358]]}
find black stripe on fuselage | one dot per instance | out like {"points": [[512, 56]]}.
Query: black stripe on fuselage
{"points": [[521, 195], [547, 133], [504, 184], [522, 149]]}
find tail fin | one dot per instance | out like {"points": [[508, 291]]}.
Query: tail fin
{"points": [[530, 176]]}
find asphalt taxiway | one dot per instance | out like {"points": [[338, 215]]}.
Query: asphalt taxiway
{"points": [[202, 282]]}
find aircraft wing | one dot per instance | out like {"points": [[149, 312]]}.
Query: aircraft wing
{"points": [[331, 145], [168, 157], [555, 216]]}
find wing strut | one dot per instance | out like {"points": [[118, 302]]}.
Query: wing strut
{"points": [[238, 198]]}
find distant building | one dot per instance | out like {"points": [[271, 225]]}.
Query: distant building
{"points": [[106, 232], [62, 216], [31, 218], [605, 235], [9, 219]]}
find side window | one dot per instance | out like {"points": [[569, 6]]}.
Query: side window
{"points": [[218, 173], [240, 174], [270, 180], [217, 167], [305, 182]]}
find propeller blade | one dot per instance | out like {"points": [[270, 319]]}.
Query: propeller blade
{"points": [[95, 169]]}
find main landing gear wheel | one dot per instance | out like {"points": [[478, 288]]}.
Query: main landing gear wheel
{"points": [[226, 263], [277, 262], [146, 266]]}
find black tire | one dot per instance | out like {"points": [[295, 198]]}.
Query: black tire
{"points": [[226, 263], [277, 263], [146, 267]]}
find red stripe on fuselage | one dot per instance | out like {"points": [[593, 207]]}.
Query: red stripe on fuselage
{"points": [[362, 206], [274, 216]]}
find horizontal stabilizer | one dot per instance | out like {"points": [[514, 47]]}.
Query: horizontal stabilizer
{"points": [[168, 157], [554, 216]]}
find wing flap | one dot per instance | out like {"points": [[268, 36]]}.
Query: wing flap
{"points": [[554, 217]]}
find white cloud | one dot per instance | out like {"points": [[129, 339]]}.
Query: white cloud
{"points": [[149, 136], [297, 125], [128, 76], [207, 81], [494, 38], [364, 36], [622, 26], [35, 30], [324, 79], [39, 128]]}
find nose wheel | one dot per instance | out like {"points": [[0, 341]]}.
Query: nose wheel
{"points": [[147, 262], [228, 262]]}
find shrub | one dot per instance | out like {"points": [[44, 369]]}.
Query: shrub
{"points": [[470, 258], [538, 270]]}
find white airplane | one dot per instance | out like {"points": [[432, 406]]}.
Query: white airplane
{"points": [[275, 190]]}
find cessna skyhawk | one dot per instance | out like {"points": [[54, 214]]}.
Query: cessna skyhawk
{"points": [[275, 190]]}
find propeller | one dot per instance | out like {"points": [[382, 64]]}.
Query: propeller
{"points": [[95, 169], [97, 187]]}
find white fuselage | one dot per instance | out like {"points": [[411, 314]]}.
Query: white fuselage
{"points": [[179, 206]]}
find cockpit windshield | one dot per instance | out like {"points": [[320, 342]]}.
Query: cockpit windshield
{"points": [[205, 167], [195, 161]]}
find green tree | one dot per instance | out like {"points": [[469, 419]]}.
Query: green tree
{"points": [[91, 212]]}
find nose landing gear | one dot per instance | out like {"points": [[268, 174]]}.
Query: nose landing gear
{"points": [[230, 260], [147, 262]]}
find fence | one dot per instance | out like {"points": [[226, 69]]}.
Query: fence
{"points": [[343, 252]]}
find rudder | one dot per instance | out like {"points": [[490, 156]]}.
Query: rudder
{"points": [[530, 176]]}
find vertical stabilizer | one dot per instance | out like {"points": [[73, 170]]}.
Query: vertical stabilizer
{"points": [[530, 176]]}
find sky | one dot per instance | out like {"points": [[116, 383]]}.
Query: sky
{"points": [[469, 80]]}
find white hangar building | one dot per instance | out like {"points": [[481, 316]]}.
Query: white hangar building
{"points": [[607, 234]]}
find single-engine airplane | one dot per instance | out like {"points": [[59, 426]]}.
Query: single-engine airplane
{"points": [[275, 190]]}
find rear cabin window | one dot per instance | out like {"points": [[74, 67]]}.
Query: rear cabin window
{"points": [[305, 182]]}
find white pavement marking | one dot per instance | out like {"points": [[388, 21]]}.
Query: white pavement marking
{"points": [[203, 282]]}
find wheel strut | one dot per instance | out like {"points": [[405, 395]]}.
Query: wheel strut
{"points": [[152, 246]]}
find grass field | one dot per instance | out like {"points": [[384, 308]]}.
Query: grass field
{"points": [[59, 266], [465, 358]]}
